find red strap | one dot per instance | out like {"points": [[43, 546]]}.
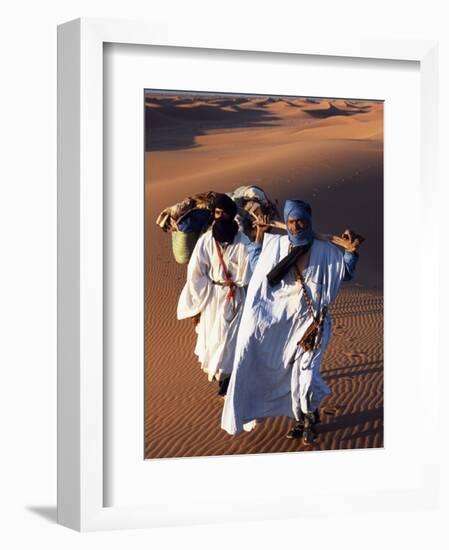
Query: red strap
{"points": [[230, 283]]}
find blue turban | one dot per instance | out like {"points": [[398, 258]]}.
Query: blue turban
{"points": [[297, 209]]}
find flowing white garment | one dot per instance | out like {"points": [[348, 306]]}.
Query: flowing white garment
{"points": [[272, 376], [205, 293]]}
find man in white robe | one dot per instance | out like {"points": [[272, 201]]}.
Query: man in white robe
{"points": [[217, 277], [273, 374]]}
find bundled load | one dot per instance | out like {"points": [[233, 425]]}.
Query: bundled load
{"points": [[252, 203], [188, 219]]}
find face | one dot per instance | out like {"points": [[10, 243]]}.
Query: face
{"points": [[219, 213], [296, 225]]}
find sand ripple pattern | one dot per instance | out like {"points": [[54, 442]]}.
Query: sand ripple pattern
{"points": [[183, 413], [327, 152]]}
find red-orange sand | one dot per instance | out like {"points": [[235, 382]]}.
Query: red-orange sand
{"points": [[327, 152]]}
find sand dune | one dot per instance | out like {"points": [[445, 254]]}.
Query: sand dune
{"points": [[332, 110], [336, 163]]}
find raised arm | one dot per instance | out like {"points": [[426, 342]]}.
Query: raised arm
{"points": [[351, 256], [255, 248], [350, 260]]}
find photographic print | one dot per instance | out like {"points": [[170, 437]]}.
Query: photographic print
{"points": [[263, 274]]}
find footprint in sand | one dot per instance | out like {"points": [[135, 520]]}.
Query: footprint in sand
{"points": [[334, 410], [356, 355], [339, 330]]}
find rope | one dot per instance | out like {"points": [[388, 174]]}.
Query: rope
{"points": [[306, 297], [311, 338], [231, 294]]}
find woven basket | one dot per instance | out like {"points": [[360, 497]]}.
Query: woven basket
{"points": [[183, 245]]}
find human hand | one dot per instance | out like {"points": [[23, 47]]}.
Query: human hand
{"points": [[353, 240], [262, 224]]}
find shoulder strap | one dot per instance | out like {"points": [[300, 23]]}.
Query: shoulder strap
{"points": [[306, 297], [229, 282]]}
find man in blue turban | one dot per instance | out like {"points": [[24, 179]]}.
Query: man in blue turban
{"points": [[285, 326]]}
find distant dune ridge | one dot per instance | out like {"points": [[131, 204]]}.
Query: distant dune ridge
{"points": [[328, 152]]}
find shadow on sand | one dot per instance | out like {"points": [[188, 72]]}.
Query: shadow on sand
{"points": [[354, 370], [352, 420], [332, 110], [171, 125]]}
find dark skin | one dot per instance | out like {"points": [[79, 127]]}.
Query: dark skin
{"points": [[219, 213], [261, 228], [294, 226]]}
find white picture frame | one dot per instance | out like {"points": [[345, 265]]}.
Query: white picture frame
{"points": [[81, 488]]}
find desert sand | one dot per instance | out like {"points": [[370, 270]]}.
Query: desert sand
{"points": [[325, 151]]}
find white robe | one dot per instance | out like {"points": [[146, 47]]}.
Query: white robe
{"points": [[220, 317], [272, 376]]}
